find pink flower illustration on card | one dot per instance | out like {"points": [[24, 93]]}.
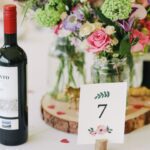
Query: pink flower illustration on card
{"points": [[93, 133], [101, 129]]}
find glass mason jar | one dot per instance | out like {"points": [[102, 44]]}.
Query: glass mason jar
{"points": [[138, 70], [69, 70], [108, 71]]}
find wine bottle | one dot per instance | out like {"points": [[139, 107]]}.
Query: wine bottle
{"points": [[13, 88]]}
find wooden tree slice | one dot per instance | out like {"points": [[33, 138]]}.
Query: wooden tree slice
{"points": [[136, 118], [58, 115]]}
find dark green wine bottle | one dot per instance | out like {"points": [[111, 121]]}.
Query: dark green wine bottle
{"points": [[13, 85]]}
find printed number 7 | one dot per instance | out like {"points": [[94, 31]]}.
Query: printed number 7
{"points": [[104, 107]]}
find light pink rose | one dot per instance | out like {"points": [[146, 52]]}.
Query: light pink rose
{"points": [[98, 41], [143, 40], [140, 12], [101, 129], [137, 48]]}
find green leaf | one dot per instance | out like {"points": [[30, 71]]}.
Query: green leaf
{"points": [[60, 72], [134, 41], [125, 46], [130, 62], [96, 97]]}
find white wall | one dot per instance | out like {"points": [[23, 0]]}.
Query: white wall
{"points": [[36, 42]]}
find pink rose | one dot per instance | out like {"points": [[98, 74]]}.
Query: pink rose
{"points": [[143, 40], [101, 129], [98, 41]]}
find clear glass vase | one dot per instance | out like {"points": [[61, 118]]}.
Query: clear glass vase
{"points": [[108, 71], [69, 71], [138, 70]]}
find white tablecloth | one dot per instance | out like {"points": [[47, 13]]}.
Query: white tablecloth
{"points": [[43, 137]]}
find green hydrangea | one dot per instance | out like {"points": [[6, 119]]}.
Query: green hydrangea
{"points": [[50, 15], [116, 9]]}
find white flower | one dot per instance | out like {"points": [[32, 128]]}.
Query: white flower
{"points": [[115, 55], [114, 41], [103, 60], [83, 1], [98, 25], [109, 49], [87, 28], [110, 30]]}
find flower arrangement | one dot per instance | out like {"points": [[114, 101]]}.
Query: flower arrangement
{"points": [[108, 28]]}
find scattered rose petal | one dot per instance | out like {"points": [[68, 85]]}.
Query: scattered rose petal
{"points": [[61, 113], [65, 141], [51, 106], [138, 106]]}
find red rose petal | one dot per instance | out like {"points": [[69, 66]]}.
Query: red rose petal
{"points": [[61, 113], [51, 106], [138, 106], [65, 141]]}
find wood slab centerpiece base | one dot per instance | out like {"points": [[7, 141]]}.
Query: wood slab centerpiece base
{"points": [[59, 115]]}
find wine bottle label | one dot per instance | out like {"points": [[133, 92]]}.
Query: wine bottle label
{"points": [[9, 124], [8, 98]]}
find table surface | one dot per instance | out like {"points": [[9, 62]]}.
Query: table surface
{"points": [[41, 136]]}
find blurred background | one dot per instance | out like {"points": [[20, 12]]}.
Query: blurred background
{"points": [[36, 42]]}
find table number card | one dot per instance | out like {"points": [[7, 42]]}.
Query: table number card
{"points": [[102, 112]]}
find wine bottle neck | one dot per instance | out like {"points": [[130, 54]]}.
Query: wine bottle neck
{"points": [[10, 39], [10, 24]]}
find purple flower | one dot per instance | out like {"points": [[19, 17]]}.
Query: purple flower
{"points": [[126, 24], [138, 11], [148, 1], [72, 23], [79, 14]]}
